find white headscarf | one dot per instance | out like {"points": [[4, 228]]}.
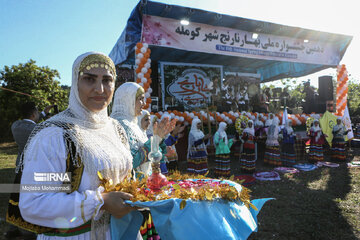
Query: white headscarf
{"points": [[288, 127], [222, 133], [250, 130], [124, 102], [274, 127], [316, 129], [144, 113], [269, 120], [194, 131], [258, 123], [338, 127], [100, 141], [195, 134], [150, 130], [123, 110]]}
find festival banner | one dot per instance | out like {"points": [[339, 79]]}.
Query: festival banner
{"points": [[188, 84], [198, 37]]}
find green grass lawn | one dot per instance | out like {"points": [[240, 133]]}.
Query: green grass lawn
{"points": [[320, 204]]}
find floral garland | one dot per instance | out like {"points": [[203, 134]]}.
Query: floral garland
{"points": [[309, 122], [238, 124]]}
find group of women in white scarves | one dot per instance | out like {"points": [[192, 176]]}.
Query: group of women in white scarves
{"points": [[285, 155]]}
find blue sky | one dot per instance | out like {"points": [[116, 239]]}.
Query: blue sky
{"points": [[55, 32]]}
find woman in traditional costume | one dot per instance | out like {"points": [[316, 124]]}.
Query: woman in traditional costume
{"points": [[338, 143], [317, 139], [128, 103], [268, 121], [288, 155], [81, 140], [171, 140], [272, 152], [222, 153], [197, 161], [144, 121], [150, 130], [260, 134], [249, 154]]}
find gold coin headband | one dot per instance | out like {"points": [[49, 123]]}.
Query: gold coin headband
{"points": [[139, 92], [95, 61]]}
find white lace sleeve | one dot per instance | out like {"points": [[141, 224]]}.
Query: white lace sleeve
{"points": [[47, 154]]}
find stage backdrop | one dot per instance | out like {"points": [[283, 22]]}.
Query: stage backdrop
{"points": [[188, 84], [168, 32]]}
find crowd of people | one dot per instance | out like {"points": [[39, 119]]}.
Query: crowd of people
{"points": [[267, 141], [85, 140]]}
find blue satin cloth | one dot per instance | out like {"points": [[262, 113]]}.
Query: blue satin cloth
{"points": [[217, 219], [305, 166]]}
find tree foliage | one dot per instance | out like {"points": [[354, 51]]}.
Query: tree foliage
{"points": [[39, 82], [297, 95], [296, 92], [354, 98]]}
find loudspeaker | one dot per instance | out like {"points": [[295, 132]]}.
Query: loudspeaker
{"points": [[326, 88], [320, 107]]}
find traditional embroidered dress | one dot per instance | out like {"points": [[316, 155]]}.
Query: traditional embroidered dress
{"points": [[124, 111], [171, 155], [317, 139], [237, 146], [260, 134], [272, 152], [299, 148], [197, 155], [80, 141], [288, 156], [249, 155], [222, 154], [338, 143]]}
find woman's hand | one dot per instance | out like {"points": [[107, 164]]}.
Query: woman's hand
{"points": [[115, 205], [164, 127], [178, 129]]}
